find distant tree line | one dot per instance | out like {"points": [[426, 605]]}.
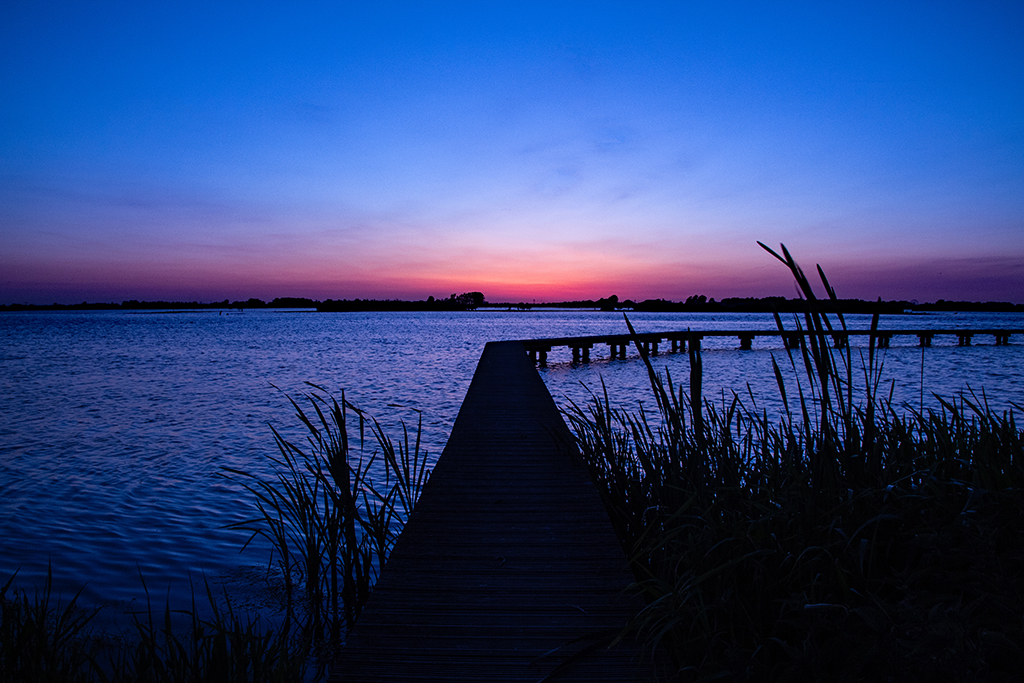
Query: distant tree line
{"points": [[133, 304], [784, 305], [466, 301], [700, 303]]}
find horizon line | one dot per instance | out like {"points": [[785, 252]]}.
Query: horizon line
{"points": [[253, 302]]}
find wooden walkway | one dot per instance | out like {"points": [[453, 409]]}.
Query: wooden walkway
{"points": [[508, 569]]}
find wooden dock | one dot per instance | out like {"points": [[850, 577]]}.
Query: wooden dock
{"points": [[678, 339], [508, 569]]}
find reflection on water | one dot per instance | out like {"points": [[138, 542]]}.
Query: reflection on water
{"points": [[115, 424]]}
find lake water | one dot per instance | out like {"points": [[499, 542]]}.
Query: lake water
{"points": [[115, 424]]}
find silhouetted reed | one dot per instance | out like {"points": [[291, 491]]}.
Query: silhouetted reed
{"points": [[225, 645], [846, 539], [42, 639], [331, 527]]}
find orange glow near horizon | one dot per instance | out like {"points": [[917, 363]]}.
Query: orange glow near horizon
{"points": [[543, 274]]}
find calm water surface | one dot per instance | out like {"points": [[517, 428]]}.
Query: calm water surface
{"points": [[115, 424]]}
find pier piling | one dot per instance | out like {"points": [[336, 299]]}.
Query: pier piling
{"points": [[649, 341]]}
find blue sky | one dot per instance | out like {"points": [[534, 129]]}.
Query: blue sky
{"points": [[185, 151]]}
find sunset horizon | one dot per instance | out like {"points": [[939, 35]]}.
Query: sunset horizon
{"points": [[529, 152], [966, 281]]}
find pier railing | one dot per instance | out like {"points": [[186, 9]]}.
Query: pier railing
{"points": [[677, 340]]}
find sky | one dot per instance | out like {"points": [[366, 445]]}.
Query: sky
{"points": [[550, 151]]}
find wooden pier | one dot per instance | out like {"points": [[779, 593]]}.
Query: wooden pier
{"points": [[508, 569], [677, 340]]}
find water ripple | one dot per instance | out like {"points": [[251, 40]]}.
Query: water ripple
{"points": [[116, 424]]}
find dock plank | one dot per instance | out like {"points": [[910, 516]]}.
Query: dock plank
{"points": [[509, 565]]}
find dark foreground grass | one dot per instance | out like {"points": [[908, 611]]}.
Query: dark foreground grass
{"points": [[851, 540], [44, 639], [331, 527]]}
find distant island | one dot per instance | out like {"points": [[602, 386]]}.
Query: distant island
{"points": [[468, 301]]}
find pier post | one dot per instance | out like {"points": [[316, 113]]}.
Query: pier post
{"points": [[649, 343]]}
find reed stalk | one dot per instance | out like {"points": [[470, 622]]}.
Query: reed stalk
{"points": [[42, 639], [331, 527], [844, 540]]}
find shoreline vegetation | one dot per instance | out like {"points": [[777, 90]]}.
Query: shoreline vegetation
{"points": [[468, 301], [849, 539], [331, 527]]}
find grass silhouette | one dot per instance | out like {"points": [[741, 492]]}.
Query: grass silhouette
{"points": [[847, 540]]}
